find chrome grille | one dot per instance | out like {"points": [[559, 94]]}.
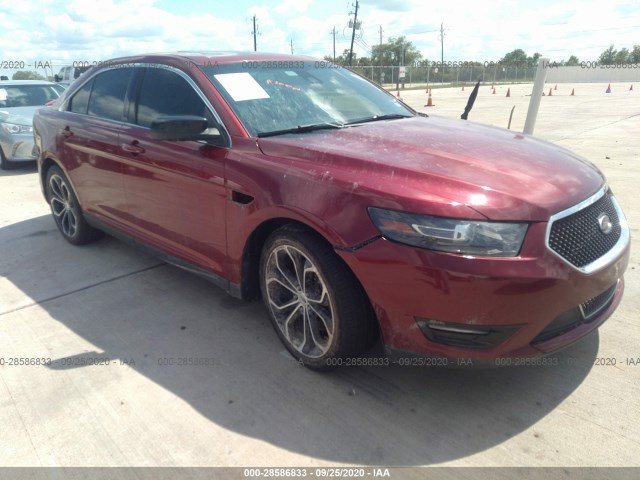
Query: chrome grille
{"points": [[575, 235]]}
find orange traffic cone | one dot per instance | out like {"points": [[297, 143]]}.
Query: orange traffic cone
{"points": [[494, 91], [631, 87], [429, 91], [462, 88], [608, 89], [550, 92], [556, 87], [573, 92], [508, 92], [398, 93], [429, 101]]}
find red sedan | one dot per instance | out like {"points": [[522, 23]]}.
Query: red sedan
{"points": [[354, 217]]}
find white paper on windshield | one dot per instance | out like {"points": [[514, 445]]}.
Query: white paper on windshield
{"points": [[241, 86], [3, 94]]}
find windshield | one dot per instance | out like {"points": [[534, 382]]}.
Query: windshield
{"points": [[273, 96], [27, 95]]}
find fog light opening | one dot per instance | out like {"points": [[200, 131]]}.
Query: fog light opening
{"points": [[464, 335]]}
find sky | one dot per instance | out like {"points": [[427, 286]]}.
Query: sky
{"points": [[62, 32]]}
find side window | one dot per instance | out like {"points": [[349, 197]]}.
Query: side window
{"points": [[164, 92], [108, 93], [79, 103]]}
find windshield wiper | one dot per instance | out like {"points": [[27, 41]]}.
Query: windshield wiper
{"points": [[375, 118], [302, 129]]}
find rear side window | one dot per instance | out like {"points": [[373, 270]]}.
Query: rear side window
{"points": [[79, 103], [108, 94], [164, 92]]}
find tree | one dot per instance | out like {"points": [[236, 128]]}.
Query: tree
{"points": [[634, 56], [622, 56], [516, 56], [573, 61], [343, 59], [397, 51], [26, 75], [534, 60], [608, 56]]}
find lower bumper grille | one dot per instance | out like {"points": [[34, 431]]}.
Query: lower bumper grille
{"points": [[584, 313], [591, 308]]}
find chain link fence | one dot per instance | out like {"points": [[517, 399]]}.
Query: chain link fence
{"points": [[419, 76]]}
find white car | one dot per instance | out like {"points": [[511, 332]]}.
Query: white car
{"points": [[19, 100]]}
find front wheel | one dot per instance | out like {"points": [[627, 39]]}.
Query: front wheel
{"points": [[4, 163], [315, 303], [66, 210]]}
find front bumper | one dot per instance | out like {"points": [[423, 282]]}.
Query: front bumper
{"points": [[18, 147], [529, 302]]}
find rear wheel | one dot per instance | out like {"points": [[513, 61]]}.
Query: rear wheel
{"points": [[315, 303], [66, 210]]}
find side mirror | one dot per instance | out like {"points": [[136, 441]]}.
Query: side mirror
{"points": [[182, 128]]}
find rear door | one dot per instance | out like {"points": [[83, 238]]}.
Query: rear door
{"points": [[89, 147], [175, 190]]}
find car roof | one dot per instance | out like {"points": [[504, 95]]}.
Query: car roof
{"points": [[204, 58]]}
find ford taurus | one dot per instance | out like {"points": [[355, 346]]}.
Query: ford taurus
{"points": [[355, 218]]}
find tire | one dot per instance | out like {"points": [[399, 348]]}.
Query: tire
{"points": [[4, 163], [316, 305], [66, 210]]}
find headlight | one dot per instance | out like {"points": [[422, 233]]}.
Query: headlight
{"points": [[466, 237], [14, 128]]}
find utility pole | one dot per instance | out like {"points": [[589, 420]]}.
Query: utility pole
{"points": [[292, 46], [442, 50], [255, 41], [333, 32], [353, 33], [381, 57]]}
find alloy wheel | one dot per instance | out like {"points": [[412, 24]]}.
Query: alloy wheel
{"points": [[62, 206], [299, 300]]}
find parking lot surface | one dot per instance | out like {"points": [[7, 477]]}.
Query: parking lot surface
{"points": [[152, 366]]}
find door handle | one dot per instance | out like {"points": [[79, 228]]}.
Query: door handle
{"points": [[133, 147], [66, 132]]}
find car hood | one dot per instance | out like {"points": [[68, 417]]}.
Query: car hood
{"points": [[18, 115], [501, 174]]}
